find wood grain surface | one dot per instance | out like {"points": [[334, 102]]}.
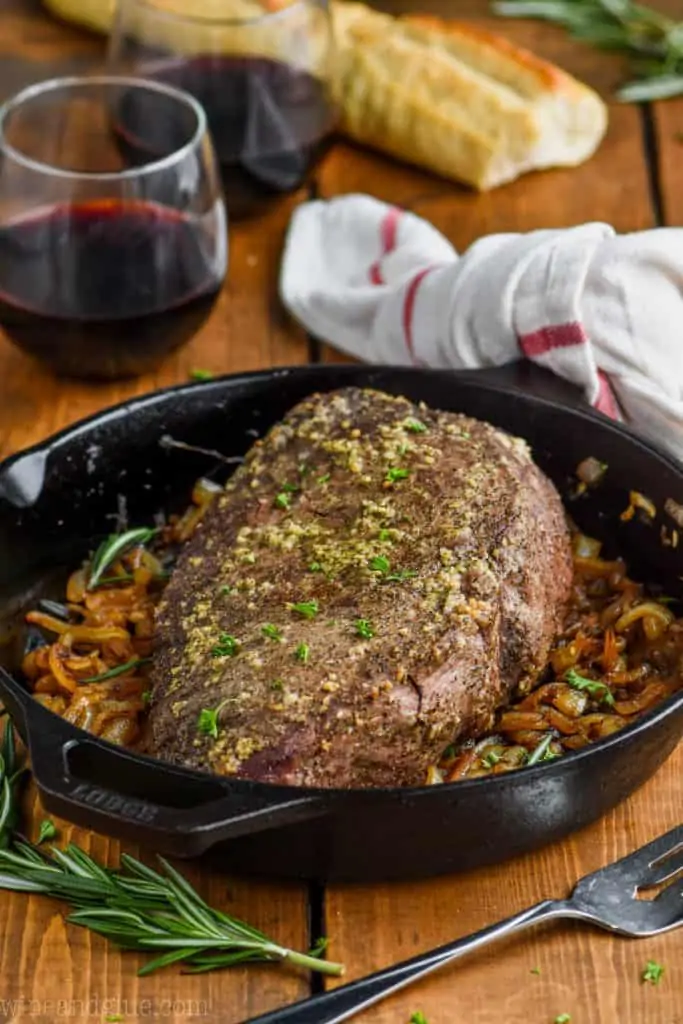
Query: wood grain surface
{"points": [[51, 971]]}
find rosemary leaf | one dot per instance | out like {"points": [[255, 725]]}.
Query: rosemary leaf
{"points": [[165, 960], [199, 964], [542, 751], [662, 88], [113, 547], [119, 670]]}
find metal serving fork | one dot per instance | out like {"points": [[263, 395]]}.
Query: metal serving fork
{"points": [[608, 898]]}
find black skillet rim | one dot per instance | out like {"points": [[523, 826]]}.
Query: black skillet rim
{"points": [[650, 719]]}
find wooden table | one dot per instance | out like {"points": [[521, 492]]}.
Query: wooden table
{"points": [[50, 971]]}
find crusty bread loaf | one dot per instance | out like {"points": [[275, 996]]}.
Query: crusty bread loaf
{"points": [[458, 100], [444, 95]]}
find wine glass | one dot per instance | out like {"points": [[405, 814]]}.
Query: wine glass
{"points": [[262, 75], [107, 262]]}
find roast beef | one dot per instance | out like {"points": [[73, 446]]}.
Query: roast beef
{"points": [[375, 581]]}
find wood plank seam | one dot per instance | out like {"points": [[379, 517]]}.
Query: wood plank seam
{"points": [[651, 147]]}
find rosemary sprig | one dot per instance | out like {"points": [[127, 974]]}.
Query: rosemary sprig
{"points": [[113, 547], [134, 906], [118, 670], [653, 42]]}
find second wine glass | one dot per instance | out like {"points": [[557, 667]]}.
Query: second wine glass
{"points": [[261, 74]]}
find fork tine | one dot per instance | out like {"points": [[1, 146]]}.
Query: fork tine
{"points": [[639, 862], [669, 903], [663, 869]]}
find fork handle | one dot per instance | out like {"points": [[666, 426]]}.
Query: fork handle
{"points": [[342, 1003]]}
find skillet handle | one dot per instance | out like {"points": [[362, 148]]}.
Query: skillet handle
{"points": [[110, 790]]}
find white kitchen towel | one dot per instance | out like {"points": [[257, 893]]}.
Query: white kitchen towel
{"points": [[602, 310]]}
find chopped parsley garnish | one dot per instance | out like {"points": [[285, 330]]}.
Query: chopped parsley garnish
{"points": [[385, 536], [418, 1018], [652, 972], [491, 759], [277, 684], [563, 1018], [227, 647], [381, 564], [402, 449], [324, 478], [396, 473], [542, 752], [199, 374], [400, 575], [600, 691], [365, 629], [226, 590], [290, 488], [415, 426], [146, 697], [315, 567], [48, 830], [271, 632], [307, 609], [302, 652], [207, 720], [282, 500], [535, 970]]}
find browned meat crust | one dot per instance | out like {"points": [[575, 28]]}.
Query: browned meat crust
{"points": [[447, 542]]}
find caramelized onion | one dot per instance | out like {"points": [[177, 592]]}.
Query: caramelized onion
{"points": [[76, 587], [649, 609], [636, 501], [651, 695], [597, 566], [590, 471], [586, 547], [58, 652]]}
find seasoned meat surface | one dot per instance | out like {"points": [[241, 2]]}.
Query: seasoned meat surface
{"points": [[375, 581]]}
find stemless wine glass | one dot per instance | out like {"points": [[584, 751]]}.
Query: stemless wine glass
{"points": [[107, 262], [262, 75]]}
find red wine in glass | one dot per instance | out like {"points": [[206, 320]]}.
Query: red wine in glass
{"points": [[104, 288], [271, 122], [105, 266]]}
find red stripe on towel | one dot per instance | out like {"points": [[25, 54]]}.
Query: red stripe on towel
{"points": [[408, 309], [537, 343], [388, 230], [606, 401]]}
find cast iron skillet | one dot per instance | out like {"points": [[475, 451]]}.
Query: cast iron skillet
{"points": [[57, 500]]}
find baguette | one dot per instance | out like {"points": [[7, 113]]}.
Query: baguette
{"points": [[458, 100], [443, 95]]}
